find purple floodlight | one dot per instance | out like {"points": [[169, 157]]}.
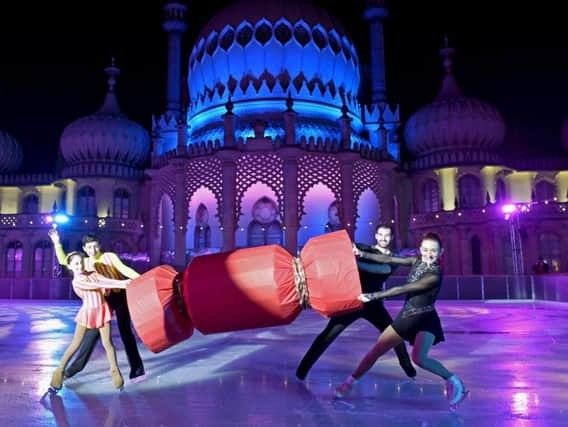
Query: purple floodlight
{"points": [[509, 208]]}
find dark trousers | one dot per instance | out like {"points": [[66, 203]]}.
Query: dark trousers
{"points": [[117, 301], [374, 312]]}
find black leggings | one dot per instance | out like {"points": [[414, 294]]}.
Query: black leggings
{"points": [[374, 312]]}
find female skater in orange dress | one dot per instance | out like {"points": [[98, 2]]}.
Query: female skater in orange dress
{"points": [[94, 313]]}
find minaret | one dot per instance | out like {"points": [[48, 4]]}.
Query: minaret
{"points": [[375, 13], [175, 26]]}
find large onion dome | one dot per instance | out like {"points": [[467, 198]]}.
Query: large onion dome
{"points": [[10, 153], [106, 137], [260, 52], [454, 128]]}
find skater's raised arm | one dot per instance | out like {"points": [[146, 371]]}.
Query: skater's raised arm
{"points": [[59, 252]]}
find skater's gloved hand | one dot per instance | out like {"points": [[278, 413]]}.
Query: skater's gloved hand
{"points": [[365, 297]]}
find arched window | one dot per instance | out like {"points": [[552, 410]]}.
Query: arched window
{"points": [[121, 204], [431, 196], [202, 237], [544, 190], [14, 259], [202, 232], [30, 204], [470, 195], [265, 228], [500, 191], [475, 255], [43, 259], [86, 202], [549, 250]]}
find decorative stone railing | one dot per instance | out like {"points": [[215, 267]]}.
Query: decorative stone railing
{"points": [[84, 224], [528, 211]]}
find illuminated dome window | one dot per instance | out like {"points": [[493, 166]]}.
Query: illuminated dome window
{"points": [[244, 36], [334, 43], [319, 38], [227, 39], [212, 44], [283, 33], [263, 33], [301, 34]]}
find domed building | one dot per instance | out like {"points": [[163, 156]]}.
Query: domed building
{"points": [[274, 144], [495, 215], [273, 136], [99, 190]]}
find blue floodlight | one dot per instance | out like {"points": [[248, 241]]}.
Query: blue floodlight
{"points": [[60, 218]]}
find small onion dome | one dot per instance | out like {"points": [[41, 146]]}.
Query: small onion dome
{"points": [[106, 136], [453, 122], [11, 155]]}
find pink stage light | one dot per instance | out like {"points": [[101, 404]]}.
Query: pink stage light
{"points": [[509, 208]]}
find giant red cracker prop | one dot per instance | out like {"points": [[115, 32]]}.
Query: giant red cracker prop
{"points": [[244, 289]]}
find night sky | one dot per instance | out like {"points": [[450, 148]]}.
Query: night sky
{"points": [[54, 53]]}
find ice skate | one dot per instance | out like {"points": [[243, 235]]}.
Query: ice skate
{"points": [[117, 379], [344, 388], [456, 392], [56, 381]]}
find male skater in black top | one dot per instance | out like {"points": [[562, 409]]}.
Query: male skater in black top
{"points": [[372, 276]]}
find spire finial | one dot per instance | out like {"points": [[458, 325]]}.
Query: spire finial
{"points": [[446, 53], [112, 72], [110, 104], [450, 88]]}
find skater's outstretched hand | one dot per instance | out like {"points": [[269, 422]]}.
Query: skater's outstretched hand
{"points": [[368, 297], [54, 236], [356, 251]]}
